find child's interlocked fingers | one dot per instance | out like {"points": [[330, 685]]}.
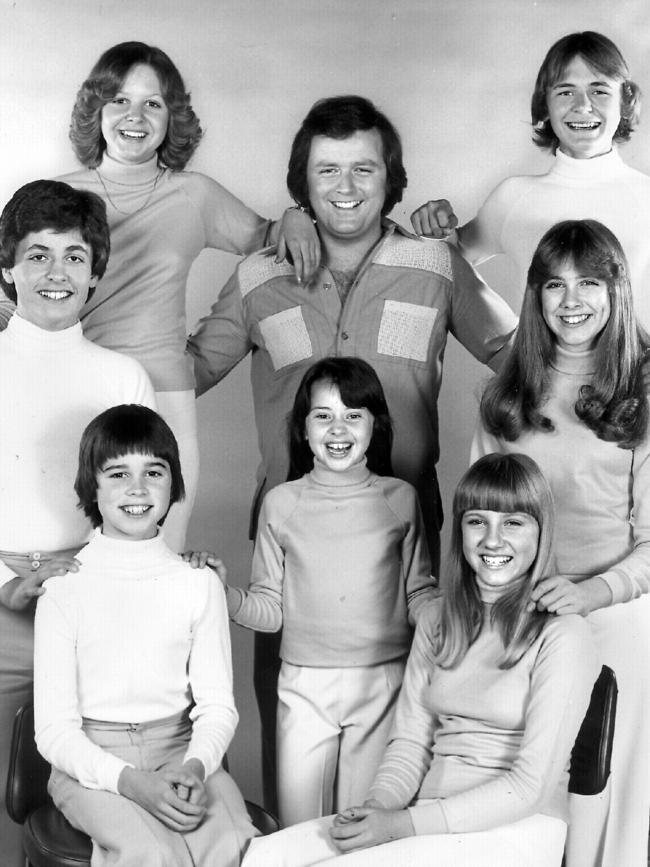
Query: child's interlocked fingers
{"points": [[157, 793]]}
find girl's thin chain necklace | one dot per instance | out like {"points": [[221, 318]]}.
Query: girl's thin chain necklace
{"points": [[140, 207]]}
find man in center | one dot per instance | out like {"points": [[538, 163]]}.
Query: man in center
{"points": [[380, 294]]}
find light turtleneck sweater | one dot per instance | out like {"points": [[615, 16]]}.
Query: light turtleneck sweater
{"points": [[491, 746], [53, 383], [160, 221], [601, 492], [341, 564], [135, 635], [518, 212]]}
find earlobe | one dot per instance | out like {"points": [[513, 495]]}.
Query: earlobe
{"points": [[7, 275]]}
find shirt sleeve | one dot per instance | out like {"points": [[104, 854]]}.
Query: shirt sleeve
{"points": [[408, 755], [480, 239], [59, 736], [260, 607], [230, 225], [214, 717], [419, 584], [221, 340], [630, 577], [478, 318]]}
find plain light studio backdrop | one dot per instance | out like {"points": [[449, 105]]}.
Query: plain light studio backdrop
{"points": [[455, 76]]}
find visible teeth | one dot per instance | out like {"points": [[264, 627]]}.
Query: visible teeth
{"points": [[136, 510], [131, 133], [55, 294], [591, 124], [346, 206], [338, 447], [575, 320], [495, 561]]}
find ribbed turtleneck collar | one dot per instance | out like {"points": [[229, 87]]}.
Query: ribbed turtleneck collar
{"points": [[574, 363], [129, 175], [31, 339], [125, 555], [357, 475], [597, 169]]}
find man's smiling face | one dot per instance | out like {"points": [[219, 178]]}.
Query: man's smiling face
{"points": [[347, 185]]}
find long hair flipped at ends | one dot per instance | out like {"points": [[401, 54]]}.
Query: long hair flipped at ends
{"points": [[614, 404], [497, 483], [105, 80]]}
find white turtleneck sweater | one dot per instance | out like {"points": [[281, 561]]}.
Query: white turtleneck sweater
{"points": [[518, 212], [601, 492], [341, 563], [53, 383], [135, 635], [160, 221]]}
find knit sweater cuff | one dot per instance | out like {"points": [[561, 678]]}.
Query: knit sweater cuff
{"points": [[234, 600], [620, 586], [109, 775], [429, 818]]}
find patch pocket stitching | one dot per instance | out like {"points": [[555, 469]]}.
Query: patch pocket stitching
{"points": [[405, 330], [286, 337]]}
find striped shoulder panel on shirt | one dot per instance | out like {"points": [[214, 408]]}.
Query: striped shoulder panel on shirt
{"points": [[403, 252], [259, 268]]}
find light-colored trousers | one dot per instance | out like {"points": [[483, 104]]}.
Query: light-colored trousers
{"points": [[534, 842], [125, 834], [178, 408], [333, 726]]}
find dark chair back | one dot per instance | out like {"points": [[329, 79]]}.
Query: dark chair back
{"points": [[592, 752], [28, 770]]}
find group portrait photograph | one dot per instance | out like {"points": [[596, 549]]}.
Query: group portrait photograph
{"points": [[325, 433]]}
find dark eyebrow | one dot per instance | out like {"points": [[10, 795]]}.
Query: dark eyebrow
{"points": [[153, 463], [572, 84], [368, 162], [71, 248]]}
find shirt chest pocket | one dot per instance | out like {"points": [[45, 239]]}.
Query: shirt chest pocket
{"points": [[405, 330], [286, 338]]}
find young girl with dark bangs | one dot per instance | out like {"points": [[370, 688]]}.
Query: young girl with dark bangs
{"points": [[572, 396], [476, 769], [341, 564]]}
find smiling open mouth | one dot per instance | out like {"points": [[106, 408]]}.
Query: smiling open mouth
{"points": [[582, 125], [578, 319], [55, 294], [133, 134], [346, 206], [494, 562], [136, 510], [338, 449]]}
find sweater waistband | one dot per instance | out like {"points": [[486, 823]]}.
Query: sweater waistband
{"points": [[176, 719]]}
